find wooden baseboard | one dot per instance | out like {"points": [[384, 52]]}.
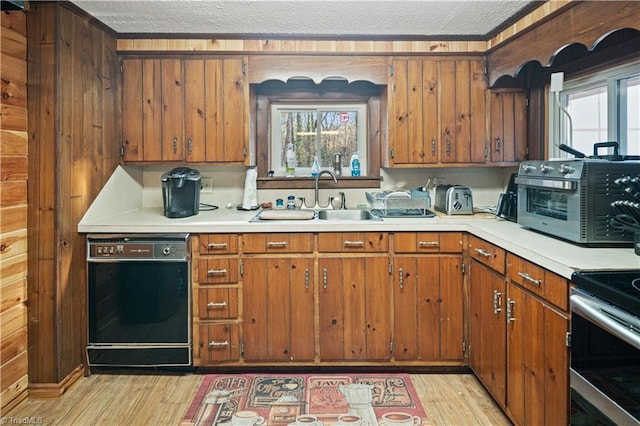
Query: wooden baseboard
{"points": [[55, 390]]}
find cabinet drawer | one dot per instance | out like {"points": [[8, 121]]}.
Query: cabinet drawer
{"points": [[218, 244], [485, 252], [218, 271], [538, 280], [428, 242], [219, 342], [218, 303], [277, 243], [357, 242]]}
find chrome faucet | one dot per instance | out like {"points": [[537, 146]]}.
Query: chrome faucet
{"points": [[317, 190]]}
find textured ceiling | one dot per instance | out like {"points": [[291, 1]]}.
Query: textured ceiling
{"points": [[405, 18]]}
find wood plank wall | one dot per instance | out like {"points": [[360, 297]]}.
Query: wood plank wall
{"points": [[13, 212], [74, 126]]}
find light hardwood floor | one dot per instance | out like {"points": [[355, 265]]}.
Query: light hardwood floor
{"points": [[155, 399]]}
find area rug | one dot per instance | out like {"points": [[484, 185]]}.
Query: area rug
{"points": [[309, 399]]}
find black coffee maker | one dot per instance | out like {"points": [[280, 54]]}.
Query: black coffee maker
{"points": [[181, 192]]}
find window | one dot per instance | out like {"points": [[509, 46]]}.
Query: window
{"points": [[597, 108], [318, 130]]}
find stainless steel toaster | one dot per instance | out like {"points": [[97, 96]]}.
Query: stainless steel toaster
{"points": [[454, 199]]}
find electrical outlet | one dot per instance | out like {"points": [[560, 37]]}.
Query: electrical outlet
{"points": [[207, 184]]}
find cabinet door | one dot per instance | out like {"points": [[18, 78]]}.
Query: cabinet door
{"points": [[508, 142], [278, 309], [537, 360], [214, 110], [152, 110], [462, 111], [428, 308], [354, 308], [487, 329]]}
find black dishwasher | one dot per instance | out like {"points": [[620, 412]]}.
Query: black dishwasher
{"points": [[139, 300]]}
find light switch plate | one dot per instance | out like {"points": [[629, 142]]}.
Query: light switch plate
{"points": [[207, 184]]}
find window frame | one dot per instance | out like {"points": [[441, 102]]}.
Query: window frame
{"points": [[262, 95], [616, 106]]}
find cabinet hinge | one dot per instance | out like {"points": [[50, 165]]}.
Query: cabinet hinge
{"points": [[390, 346], [121, 150], [486, 68], [464, 267], [568, 339], [241, 269], [390, 267], [486, 152], [391, 153], [464, 346], [390, 70], [244, 68], [121, 69], [242, 347], [244, 151]]}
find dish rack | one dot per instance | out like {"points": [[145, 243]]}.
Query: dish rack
{"points": [[400, 203]]}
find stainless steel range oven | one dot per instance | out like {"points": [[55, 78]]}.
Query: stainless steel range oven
{"points": [[605, 348], [139, 300]]}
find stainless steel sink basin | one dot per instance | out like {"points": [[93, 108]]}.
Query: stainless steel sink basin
{"points": [[347, 215]]}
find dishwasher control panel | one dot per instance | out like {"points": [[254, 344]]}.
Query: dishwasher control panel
{"points": [[137, 247]]}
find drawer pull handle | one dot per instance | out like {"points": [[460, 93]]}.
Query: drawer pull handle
{"points": [[214, 344], [429, 243], [497, 301], [483, 253], [276, 243], [349, 243], [211, 272], [216, 246], [217, 304], [529, 278]]}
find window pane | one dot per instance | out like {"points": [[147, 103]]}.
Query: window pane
{"points": [[633, 116], [299, 128], [588, 110], [338, 134]]}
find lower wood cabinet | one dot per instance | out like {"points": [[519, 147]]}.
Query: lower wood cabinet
{"points": [[487, 328], [354, 308], [428, 297], [218, 343], [278, 301]]}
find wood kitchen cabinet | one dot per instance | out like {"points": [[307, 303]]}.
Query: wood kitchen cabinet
{"points": [[216, 299], [278, 297], [191, 110], [354, 297], [436, 112], [508, 138], [428, 296], [537, 345], [278, 309]]}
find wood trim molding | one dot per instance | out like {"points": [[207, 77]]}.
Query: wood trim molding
{"points": [[56, 390]]}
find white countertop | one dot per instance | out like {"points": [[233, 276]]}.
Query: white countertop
{"points": [[556, 255]]}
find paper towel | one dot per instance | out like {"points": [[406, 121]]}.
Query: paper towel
{"points": [[250, 199]]}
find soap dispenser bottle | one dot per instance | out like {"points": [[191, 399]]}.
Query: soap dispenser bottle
{"points": [[315, 168], [355, 164]]}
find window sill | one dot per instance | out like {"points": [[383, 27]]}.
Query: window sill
{"points": [[307, 182]]}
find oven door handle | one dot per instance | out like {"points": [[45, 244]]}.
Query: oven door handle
{"points": [[598, 314], [567, 185]]}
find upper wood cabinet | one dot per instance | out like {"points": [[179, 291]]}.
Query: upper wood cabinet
{"points": [[192, 110], [508, 141], [437, 112]]}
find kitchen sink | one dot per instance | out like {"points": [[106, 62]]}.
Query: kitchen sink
{"points": [[347, 215]]}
